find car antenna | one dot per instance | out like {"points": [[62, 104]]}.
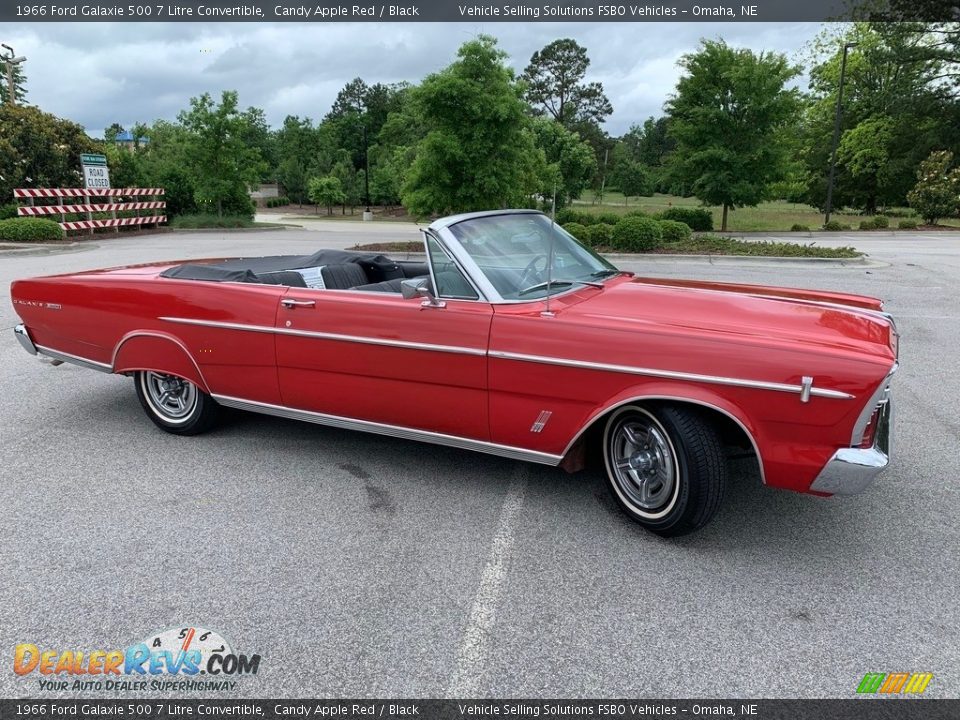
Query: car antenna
{"points": [[553, 232]]}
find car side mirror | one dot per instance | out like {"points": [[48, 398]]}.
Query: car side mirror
{"points": [[420, 287]]}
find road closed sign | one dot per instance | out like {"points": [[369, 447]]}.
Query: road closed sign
{"points": [[95, 172]]}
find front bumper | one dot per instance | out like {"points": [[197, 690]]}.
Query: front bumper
{"points": [[851, 470], [23, 337]]}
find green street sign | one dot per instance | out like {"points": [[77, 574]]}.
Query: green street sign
{"points": [[93, 159]]}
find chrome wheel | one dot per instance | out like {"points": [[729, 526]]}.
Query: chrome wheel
{"points": [[173, 398], [643, 463]]}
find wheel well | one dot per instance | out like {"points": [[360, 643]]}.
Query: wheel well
{"points": [[731, 432]]}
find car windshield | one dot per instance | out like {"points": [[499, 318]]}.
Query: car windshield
{"points": [[514, 252]]}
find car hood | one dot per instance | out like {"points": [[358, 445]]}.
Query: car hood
{"points": [[761, 315]]}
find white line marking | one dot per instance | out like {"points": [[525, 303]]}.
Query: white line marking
{"points": [[475, 642]]}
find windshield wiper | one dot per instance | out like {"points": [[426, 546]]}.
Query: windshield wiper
{"points": [[556, 283], [606, 273]]}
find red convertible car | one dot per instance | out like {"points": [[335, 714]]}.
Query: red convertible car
{"points": [[511, 338]]}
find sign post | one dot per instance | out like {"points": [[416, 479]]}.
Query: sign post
{"points": [[95, 175]]}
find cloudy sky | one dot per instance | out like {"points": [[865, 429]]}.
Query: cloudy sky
{"points": [[100, 73]]}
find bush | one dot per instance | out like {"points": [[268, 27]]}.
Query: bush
{"points": [[277, 201], [30, 229], [797, 227], [8, 211], [935, 195], [578, 230], [697, 219], [674, 231], [569, 215], [636, 234], [599, 235], [876, 223], [900, 212], [635, 213], [835, 226], [907, 224], [607, 218]]}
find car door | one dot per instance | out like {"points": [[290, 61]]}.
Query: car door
{"points": [[377, 357]]}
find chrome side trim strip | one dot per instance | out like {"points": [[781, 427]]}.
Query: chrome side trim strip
{"points": [[673, 375], [74, 359], [329, 336], [406, 433]]}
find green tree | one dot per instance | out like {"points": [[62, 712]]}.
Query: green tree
{"points": [[479, 151], [221, 162], [19, 83], [633, 178], [296, 144], [896, 82], [163, 163], [556, 87], [571, 160], [326, 191], [728, 111], [111, 133], [38, 149], [937, 192]]}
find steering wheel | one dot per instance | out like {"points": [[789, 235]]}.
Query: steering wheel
{"points": [[533, 271]]}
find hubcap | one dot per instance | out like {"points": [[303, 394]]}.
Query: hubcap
{"points": [[173, 397], [644, 466]]}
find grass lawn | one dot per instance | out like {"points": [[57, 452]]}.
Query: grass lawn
{"points": [[776, 216]]}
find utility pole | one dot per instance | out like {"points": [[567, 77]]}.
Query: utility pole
{"points": [[836, 132], [11, 61]]}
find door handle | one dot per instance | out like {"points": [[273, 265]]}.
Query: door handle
{"points": [[290, 303]]}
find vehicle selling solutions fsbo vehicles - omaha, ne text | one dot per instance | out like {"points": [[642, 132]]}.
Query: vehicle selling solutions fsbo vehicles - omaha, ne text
{"points": [[511, 338]]}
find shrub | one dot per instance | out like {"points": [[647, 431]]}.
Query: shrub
{"points": [[900, 212], [636, 234], [674, 231], [600, 234], [880, 222], [8, 211], [697, 219], [835, 226], [29, 229], [867, 225], [578, 230], [907, 224], [635, 213], [607, 218], [277, 201], [569, 215], [797, 227], [937, 192]]}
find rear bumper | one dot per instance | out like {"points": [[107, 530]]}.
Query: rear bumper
{"points": [[851, 470], [23, 337]]}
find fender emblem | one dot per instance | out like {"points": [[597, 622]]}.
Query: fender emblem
{"points": [[541, 422]]}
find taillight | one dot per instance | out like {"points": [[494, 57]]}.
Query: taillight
{"points": [[870, 432]]}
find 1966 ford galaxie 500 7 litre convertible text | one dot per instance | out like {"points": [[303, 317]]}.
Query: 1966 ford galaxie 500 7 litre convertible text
{"points": [[512, 339]]}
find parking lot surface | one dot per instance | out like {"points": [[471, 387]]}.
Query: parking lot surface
{"points": [[359, 565]]}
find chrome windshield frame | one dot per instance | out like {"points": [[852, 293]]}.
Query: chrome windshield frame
{"points": [[440, 230]]}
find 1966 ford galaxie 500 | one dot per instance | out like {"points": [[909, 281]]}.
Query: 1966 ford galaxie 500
{"points": [[512, 339]]}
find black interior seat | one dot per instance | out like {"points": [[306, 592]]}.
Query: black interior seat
{"points": [[390, 286], [290, 278], [343, 276]]}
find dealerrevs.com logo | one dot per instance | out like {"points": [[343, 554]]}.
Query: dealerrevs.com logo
{"points": [[177, 659]]}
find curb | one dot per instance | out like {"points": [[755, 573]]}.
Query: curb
{"points": [[180, 231]]}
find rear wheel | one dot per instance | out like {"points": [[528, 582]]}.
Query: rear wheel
{"points": [[665, 467], [174, 404]]}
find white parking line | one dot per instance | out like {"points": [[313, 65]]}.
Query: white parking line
{"points": [[476, 637]]}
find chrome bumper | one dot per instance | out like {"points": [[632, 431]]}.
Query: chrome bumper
{"points": [[851, 470], [23, 337]]}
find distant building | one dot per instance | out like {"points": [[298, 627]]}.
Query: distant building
{"points": [[125, 140]]}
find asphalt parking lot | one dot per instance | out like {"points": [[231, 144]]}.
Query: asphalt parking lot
{"points": [[359, 565]]}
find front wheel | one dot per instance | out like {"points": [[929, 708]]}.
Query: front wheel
{"points": [[174, 404], [665, 468]]}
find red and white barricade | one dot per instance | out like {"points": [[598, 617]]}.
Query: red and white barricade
{"points": [[117, 200]]}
